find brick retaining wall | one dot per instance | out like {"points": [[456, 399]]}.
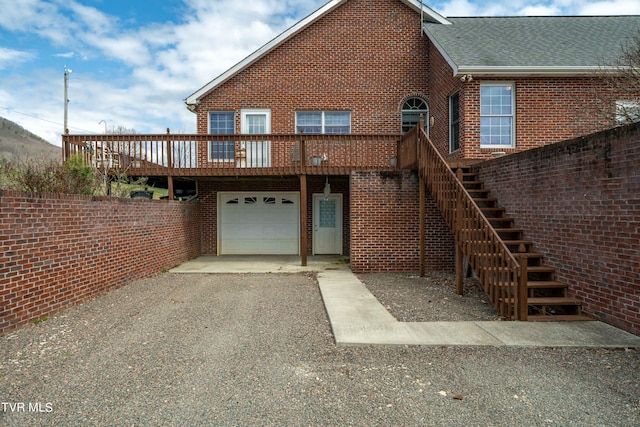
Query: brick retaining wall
{"points": [[59, 250], [579, 201]]}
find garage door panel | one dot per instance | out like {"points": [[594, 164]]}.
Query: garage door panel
{"points": [[254, 223], [260, 247]]}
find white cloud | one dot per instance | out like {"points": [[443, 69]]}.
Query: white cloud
{"points": [[454, 8], [539, 10], [613, 7], [10, 58]]}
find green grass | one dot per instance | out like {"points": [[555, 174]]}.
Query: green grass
{"points": [[42, 319]]}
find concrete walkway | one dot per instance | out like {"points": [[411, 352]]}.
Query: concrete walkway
{"points": [[357, 318]]}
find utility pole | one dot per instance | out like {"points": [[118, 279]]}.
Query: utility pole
{"points": [[67, 71]]}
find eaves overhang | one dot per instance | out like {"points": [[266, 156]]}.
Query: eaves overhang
{"points": [[532, 71]]}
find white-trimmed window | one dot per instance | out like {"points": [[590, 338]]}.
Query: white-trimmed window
{"points": [[497, 115], [328, 122], [221, 123]]}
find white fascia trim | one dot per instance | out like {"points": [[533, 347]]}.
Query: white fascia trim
{"points": [[491, 71], [296, 28]]}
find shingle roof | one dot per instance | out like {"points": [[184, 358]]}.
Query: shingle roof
{"points": [[533, 45]]}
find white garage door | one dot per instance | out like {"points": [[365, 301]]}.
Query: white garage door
{"points": [[258, 223]]}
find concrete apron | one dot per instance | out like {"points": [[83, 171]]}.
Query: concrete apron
{"points": [[358, 318]]}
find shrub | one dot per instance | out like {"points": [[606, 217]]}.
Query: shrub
{"points": [[39, 176]]}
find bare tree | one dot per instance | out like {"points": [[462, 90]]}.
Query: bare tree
{"points": [[622, 84]]}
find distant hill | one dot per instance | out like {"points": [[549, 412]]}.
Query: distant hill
{"points": [[17, 142]]}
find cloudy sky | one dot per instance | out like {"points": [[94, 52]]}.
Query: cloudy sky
{"points": [[133, 62]]}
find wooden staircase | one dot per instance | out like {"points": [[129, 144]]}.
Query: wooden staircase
{"points": [[547, 298]]}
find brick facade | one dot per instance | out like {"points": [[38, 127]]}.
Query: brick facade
{"points": [[385, 225], [60, 250], [364, 57], [579, 201]]}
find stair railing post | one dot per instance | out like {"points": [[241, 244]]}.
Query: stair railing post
{"points": [[458, 233], [521, 309]]}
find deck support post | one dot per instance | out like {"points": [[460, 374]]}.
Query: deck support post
{"points": [[303, 220], [170, 187], [522, 307], [459, 220], [460, 263]]}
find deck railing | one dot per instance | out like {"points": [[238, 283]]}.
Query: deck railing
{"points": [[501, 274], [219, 155]]}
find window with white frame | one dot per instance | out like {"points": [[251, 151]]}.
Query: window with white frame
{"points": [[327, 122], [221, 123], [454, 122], [497, 115]]}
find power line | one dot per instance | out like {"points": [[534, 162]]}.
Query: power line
{"points": [[45, 120]]}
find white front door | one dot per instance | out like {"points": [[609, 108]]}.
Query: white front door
{"points": [[255, 154], [327, 224]]}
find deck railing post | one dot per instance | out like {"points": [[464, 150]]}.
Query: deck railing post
{"points": [[303, 157], [170, 166]]}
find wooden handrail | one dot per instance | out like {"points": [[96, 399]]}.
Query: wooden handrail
{"points": [[501, 274]]}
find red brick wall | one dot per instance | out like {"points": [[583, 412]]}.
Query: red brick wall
{"points": [[366, 57], [59, 250], [579, 201], [385, 225]]}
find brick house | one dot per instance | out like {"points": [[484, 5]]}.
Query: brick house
{"points": [[342, 135], [355, 67]]}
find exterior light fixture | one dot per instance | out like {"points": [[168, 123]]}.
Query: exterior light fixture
{"points": [[327, 190]]}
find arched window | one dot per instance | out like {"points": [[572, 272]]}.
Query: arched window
{"points": [[411, 110]]}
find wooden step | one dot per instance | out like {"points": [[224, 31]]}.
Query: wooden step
{"points": [[559, 318], [473, 185], [546, 284], [517, 243], [540, 269], [485, 200], [475, 192], [473, 175], [529, 255], [509, 232], [547, 301], [493, 212], [501, 219]]}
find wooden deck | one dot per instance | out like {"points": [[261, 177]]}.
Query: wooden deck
{"points": [[235, 155]]}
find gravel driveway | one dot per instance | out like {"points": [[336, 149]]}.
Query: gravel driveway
{"points": [[257, 349]]}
